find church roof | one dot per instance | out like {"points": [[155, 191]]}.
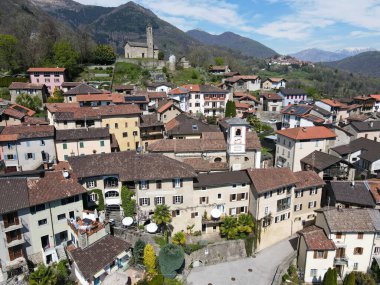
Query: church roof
{"points": [[140, 44]]}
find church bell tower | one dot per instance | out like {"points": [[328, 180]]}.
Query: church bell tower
{"points": [[149, 41]]}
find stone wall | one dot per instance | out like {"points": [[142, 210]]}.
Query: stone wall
{"points": [[132, 236]]}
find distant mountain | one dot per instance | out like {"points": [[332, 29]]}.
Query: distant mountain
{"points": [[235, 42], [366, 63], [318, 55]]}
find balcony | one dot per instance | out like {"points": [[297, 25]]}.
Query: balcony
{"points": [[343, 260], [11, 227], [14, 242]]}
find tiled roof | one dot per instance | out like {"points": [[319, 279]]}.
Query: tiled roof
{"points": [[236, 78], [316, 239], [275, 79], [354, 193], [14, 113], [140, 44], [158, 84], [70, 84], [114, 97], [82, 134], [53, 186], [130, 166], [369, 148], [156, 95], [21, 109], [211, 89], [189, 145], [98, 255], [292, 91], [241, 94], [351, 220], [123, 87], [55, 107], [221, 179], [165, 106], [203, 165], [308, 133], [353, 107], [150, 121], [358, 117], [13, 194], [83, 88], [374, 186], [375, 96], [27, 132], [363, 98], [46, 69], [240, 105], [320, 160], [307, 179], [321, 111], [334, 103], [184, 124], [179, 90], [370, 126], [312, 118], [297, 109], [271, 96], [248, 97], [25, 86], [35, 121], [267, 179]]}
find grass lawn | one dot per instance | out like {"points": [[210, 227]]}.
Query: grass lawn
{"points": [[187, 76], [127, 73]]}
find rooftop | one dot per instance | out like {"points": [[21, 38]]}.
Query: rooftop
{"points": [[13, 194], [334, 103], [83, 88], [203, 165], [221, 179], [320, 160], [308, 179], [308, 133], [17, 132], [353, 193], [25, 86], [113, 97], [321, 111], [374, 187], [46, 69], [370, 126], [236, 78], [316, 239], [184, 124], [292, 91], [369, 149], [267, 179], [297, 109], [271, 96]]}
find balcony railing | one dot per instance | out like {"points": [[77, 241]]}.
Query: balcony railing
{"points": [[15, 241], [343, 260], [9, 228]]}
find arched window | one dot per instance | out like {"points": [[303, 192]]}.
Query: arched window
{"points": [[218, 159], [111, 194], [111, 182], [238, 132]]}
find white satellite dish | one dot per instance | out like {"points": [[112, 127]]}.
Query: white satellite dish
{"points": [[127, 221], [151, 228], [215, 213]]}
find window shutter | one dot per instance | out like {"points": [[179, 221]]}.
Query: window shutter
{"points": [[140, 201], [15, 156], [295, 208], [325, 254], [315, 254], [182, 199], [200, 200], [238, 197], [230, 197], [155, 200], [19, 234], [173, 181], [17, 220], [207, 200], [230, 211], [148, 201], [8, 237], [173, 199], [5, 156], [300, 207], [181, 182], [140, 184], [147, 184], [173, 214], [316, 191], [238, 210], [26, 156], [5, 222], [192, 215], [163, 200], [34, 156]]}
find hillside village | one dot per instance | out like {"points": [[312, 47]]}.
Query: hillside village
{"points": [[149, 167]]}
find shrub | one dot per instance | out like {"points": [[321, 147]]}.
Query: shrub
{"points": [[179, 238], [127, 203], [190, 248], [138, 251], [100, 203], [150, 259], [171, 259]]}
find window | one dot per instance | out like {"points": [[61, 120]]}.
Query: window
{"points": [[266, 210], [194, 127], [338, 235], [297, 207], [93, 197], [158, 184], [144, 201], [219, 196], [283, 204], [159, 200], [313, 272], [266, 222], [299, 194], [358, 251], [42, 222], [91, 184], [65, 157], [312, 204], [81, 144], [144, 184], [360, 235], [61, 217], [177, 183], [134, 133], [125, 134], [280, 191], [203, 200], [238, 132], [194, 214], [111, 194], [176, 213], [64, 146], [376, 250], [29, 155], [126, 124], [234, 186], [233, 197], [116, 125], [316, 143], [313, 191], [107, 125], [101, 143], [177, 199], [319, 254], [136, 124], [356, 266], [267, 195], [197, 105]]}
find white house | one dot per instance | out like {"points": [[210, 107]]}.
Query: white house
{"points": [[292, 96]]}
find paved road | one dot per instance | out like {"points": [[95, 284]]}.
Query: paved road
{"points": [[263, 268]]}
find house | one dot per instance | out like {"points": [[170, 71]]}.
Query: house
{"points": [[324, 114], [294, 144], [142, 49], [292, 116], [167, 111], [160, 87], [184, 126], [242, 83], [121, 120], [201, 165], [273, 83], [367, 103], [125, 89], [14, 114], [376, 106], [155, 98], [247, 99], [33, 217], [52, 77], [34, 90], [70, 96], [67, 85], [151, 130], [338, 110], [243, 109], [181, 96], [349, 194], [138, 99], [219, 69], [271, 102], [328, 167], [184, 63], [85, 141], [374, 187], [91, 265], [345, 239], [292, 96], [27, 147], [369, 130], [103, 99]]}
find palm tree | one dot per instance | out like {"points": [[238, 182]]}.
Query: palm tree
{"points": [[229, 227], [162, 217], [43, 276], [179, 238]]}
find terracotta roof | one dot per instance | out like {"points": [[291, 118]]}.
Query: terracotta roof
{"points": [[374, 186], [14, 113], [53, 186], [221, 179], [248, 97], [27, 132], [241, 94], [271, 96], [236, 78], [123, 87], [353, 107], [13, 194], [130, 166], [83, 88], [157, 95], [22, 109], [308, 133], [82, 134], [25, 86], [203, 165], [240, 105], [164, 107], [375, 96], [98, 255], [190, 145], [35, 121], [230, 74], [253, 141], [179, 90], [313, 118], [55, 107], [316, 239], [114, 97], [267, 179], [46, 69], [320, 160], [353, 193], [358, 117], [334, 103], [363, 98], [307, 179], [275, 79]]}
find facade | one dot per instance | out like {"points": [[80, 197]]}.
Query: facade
{"points": [[369, 130], [27, 147], [273, 83], [376, 106], [160, 87], [219, 70], [50, 76], [271, 102], [367, 103], [166, 111], [292, 96], [242, 83], [151, 130], [70, 96], [142, 50], [338, 110], [292, 116], [34, 90], [294, 144], [84, 141]]}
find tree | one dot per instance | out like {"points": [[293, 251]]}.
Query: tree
{"points": [[32, 102], [170, 258], [57, 96], [127, 203], [104, 54], [230, 109], [56, 274], [8, 47], [219, 61], [161, 55], [65, 56], [245, 225], [162, 217], [331, 277], [350, 279], [150, 259], [179, 238], [375, 270], [229, 227], [138, 251]]}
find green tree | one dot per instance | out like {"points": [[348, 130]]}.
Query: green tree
{"points": [[230, 109], [66, 56], [229, 228], [57, 96], [161, 55], [162, 217], [179, 238], [375, 269], [138, 251], [8, 48], [104, 54], [219, 61], [170, 259], [150, 259], [32, 102], [350, 279], [331, 277], [245, 225], [127, 203], [43, 276], [194, 75]]}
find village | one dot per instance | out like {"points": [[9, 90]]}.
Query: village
{"points": [[122, 182]]}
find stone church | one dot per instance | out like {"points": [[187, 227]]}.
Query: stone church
{"points": [[141, 49]]}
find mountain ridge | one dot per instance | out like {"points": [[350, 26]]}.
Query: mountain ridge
{"points": [[320, 55]]}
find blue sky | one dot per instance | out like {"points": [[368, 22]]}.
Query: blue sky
{"points": [[286, 26]]}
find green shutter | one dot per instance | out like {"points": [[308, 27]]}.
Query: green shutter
{"points": [[65, 146]]}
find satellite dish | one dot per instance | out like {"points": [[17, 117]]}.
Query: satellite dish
{"points": [[215, 213], [127, 221], [66, 174], [152, 228]]}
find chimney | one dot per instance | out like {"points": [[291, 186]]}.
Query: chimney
{"points": [[304, 129], [371, 124]]}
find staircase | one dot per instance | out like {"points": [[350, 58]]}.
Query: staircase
{"points": [[114, 213]]}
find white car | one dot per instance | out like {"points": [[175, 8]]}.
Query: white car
{"points": [[272, 121]]}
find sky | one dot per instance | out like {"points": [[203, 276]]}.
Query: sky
{"points": [[287, 26]]}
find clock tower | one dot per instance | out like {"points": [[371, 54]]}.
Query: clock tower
{"points": [[236, 136]]}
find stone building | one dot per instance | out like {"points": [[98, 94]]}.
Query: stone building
{"points": [[140, 49]]}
